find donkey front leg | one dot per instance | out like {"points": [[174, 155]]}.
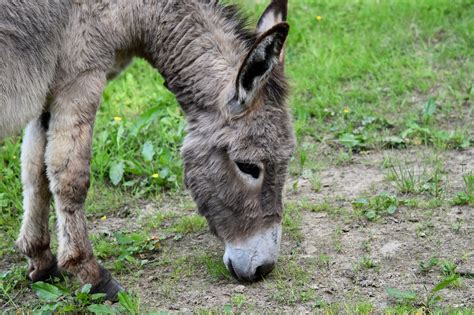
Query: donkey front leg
{"points": [[68, 155], [34, 234]]}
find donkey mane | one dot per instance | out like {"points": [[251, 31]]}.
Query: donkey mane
{"points": [[214, 39]]}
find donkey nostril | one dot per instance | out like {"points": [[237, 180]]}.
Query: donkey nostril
{"points": [[263, 270]]}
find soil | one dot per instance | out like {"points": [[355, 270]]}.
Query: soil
{"points": [[397, 245], [325, 266]]}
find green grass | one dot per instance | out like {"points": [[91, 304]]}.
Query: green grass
{"points": [[372, 208], [366, 75], [465, 196]]}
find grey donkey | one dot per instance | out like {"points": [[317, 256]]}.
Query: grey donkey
{"points": [[56, 58]]}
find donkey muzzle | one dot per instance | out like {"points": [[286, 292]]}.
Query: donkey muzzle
{"points": [[252, 258]]}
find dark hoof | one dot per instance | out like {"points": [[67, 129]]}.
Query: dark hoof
{"points": [[49, 274], [107, 285]]}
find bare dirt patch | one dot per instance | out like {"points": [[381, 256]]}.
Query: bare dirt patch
{"points": [[337, 252], [341, 257]]}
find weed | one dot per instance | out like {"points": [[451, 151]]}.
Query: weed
{"points": [[406, 179], [426, 266], [336, 239], [423, 229], [57, 299], [323, 261], [324, 206], [366, 245], [132, 248], [424, 131], [412, 180], [11, 281], [433, 297], [403, 297], [361, 308], [448, 268], [372, 208], [388, 161], [465, 197], [456, 226], [131, 304], [366, 263], [315, 182], [238, 300], [343, 157]]}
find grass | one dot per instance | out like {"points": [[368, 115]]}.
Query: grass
{"points": [[416, 180], [372, 208], [365, 75], [466, 196]]}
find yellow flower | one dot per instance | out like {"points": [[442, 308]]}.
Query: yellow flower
{"points": [[346, 110], [318, 18], [118, 118], [104, 218], [155, 175], [420, 311]]}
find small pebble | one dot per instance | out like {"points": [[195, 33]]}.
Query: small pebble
{"points": [[239, 289]]}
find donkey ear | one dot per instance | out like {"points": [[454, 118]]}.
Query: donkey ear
{"points": [[275, 13], [257, 65]]}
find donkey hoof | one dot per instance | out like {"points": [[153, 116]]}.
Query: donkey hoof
{"points": [[107, 285], [48, 274]]}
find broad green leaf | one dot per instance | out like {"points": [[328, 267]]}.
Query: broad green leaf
{"points": [[227, 309], [116, 172], [360, 202], [392, 209], [446, 282], [144, 120], [164, 172], [394, 140], [101, 309], [46, 291], [435, 299], [371, 215], [86, 288], [97, 296], [349, 140], [401, 295], [148, 151], [47, 309]]}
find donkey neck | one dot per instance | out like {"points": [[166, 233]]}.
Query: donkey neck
{"points": [[196, 45]]}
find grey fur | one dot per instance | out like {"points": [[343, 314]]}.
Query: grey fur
{"points": [[56, 57]]}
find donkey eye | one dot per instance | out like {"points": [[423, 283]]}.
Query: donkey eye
{"points": [[250, 169]]}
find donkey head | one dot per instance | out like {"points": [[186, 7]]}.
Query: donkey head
{"points": [[236, 157]]}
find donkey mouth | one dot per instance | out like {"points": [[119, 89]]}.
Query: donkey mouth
{"points": [[252, 259], [260, 272]]}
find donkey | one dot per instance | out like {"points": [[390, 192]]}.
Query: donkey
{"points": [[56, 58]]}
